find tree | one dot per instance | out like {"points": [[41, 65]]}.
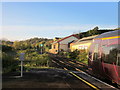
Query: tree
{"points": [[16, 45], [6, 48], [9, 62], [95, 30]]}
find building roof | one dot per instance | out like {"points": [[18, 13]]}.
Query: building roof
{"points": [[85, 39], [66, 38]]}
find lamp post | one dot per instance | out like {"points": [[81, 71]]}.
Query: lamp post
{"points": [[22, 59]]}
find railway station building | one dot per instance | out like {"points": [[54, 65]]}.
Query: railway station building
{"points": [[82, 44], [63, 44]]}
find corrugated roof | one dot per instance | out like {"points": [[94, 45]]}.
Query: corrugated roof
{"points": [[86, 39]]}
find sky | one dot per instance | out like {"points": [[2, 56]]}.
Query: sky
{"points": [[24, 20]]}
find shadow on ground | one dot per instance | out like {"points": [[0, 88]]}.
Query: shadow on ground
{"points": [[42, 78]]}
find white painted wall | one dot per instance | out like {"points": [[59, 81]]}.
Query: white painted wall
{"points": [[64, 43], [64, 47]]}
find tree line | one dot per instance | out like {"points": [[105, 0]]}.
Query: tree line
{"points": [[94, 31], [33, 43]]}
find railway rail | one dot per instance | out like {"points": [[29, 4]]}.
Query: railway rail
{"points": [[72, 65], [69, 63]]}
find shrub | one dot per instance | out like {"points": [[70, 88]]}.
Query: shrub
{"points": [[82, 57], [36, 59], [9, 63], [79, 55], [74, 54]]}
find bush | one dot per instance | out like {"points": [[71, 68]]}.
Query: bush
{"points": [[35, 59], [42, 60], [6, 48], [82, 57], [9, 63], [74, 54], [79, 55]]}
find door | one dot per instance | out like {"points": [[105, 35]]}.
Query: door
{"points": [[96, 59]]}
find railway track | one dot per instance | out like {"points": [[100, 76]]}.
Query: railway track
{"points": [[68, 67], [72, 65], [69, 64]]}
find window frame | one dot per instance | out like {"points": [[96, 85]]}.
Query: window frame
{"points": [[109, 57], [96, 50]]}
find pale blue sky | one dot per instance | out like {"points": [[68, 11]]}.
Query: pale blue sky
{"points": [[23, 20]]}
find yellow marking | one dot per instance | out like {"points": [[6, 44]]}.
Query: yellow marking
{"points": [[109, 37], [84, 81]]}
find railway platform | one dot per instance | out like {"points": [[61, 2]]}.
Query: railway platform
{"points": [[51, 79]]}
